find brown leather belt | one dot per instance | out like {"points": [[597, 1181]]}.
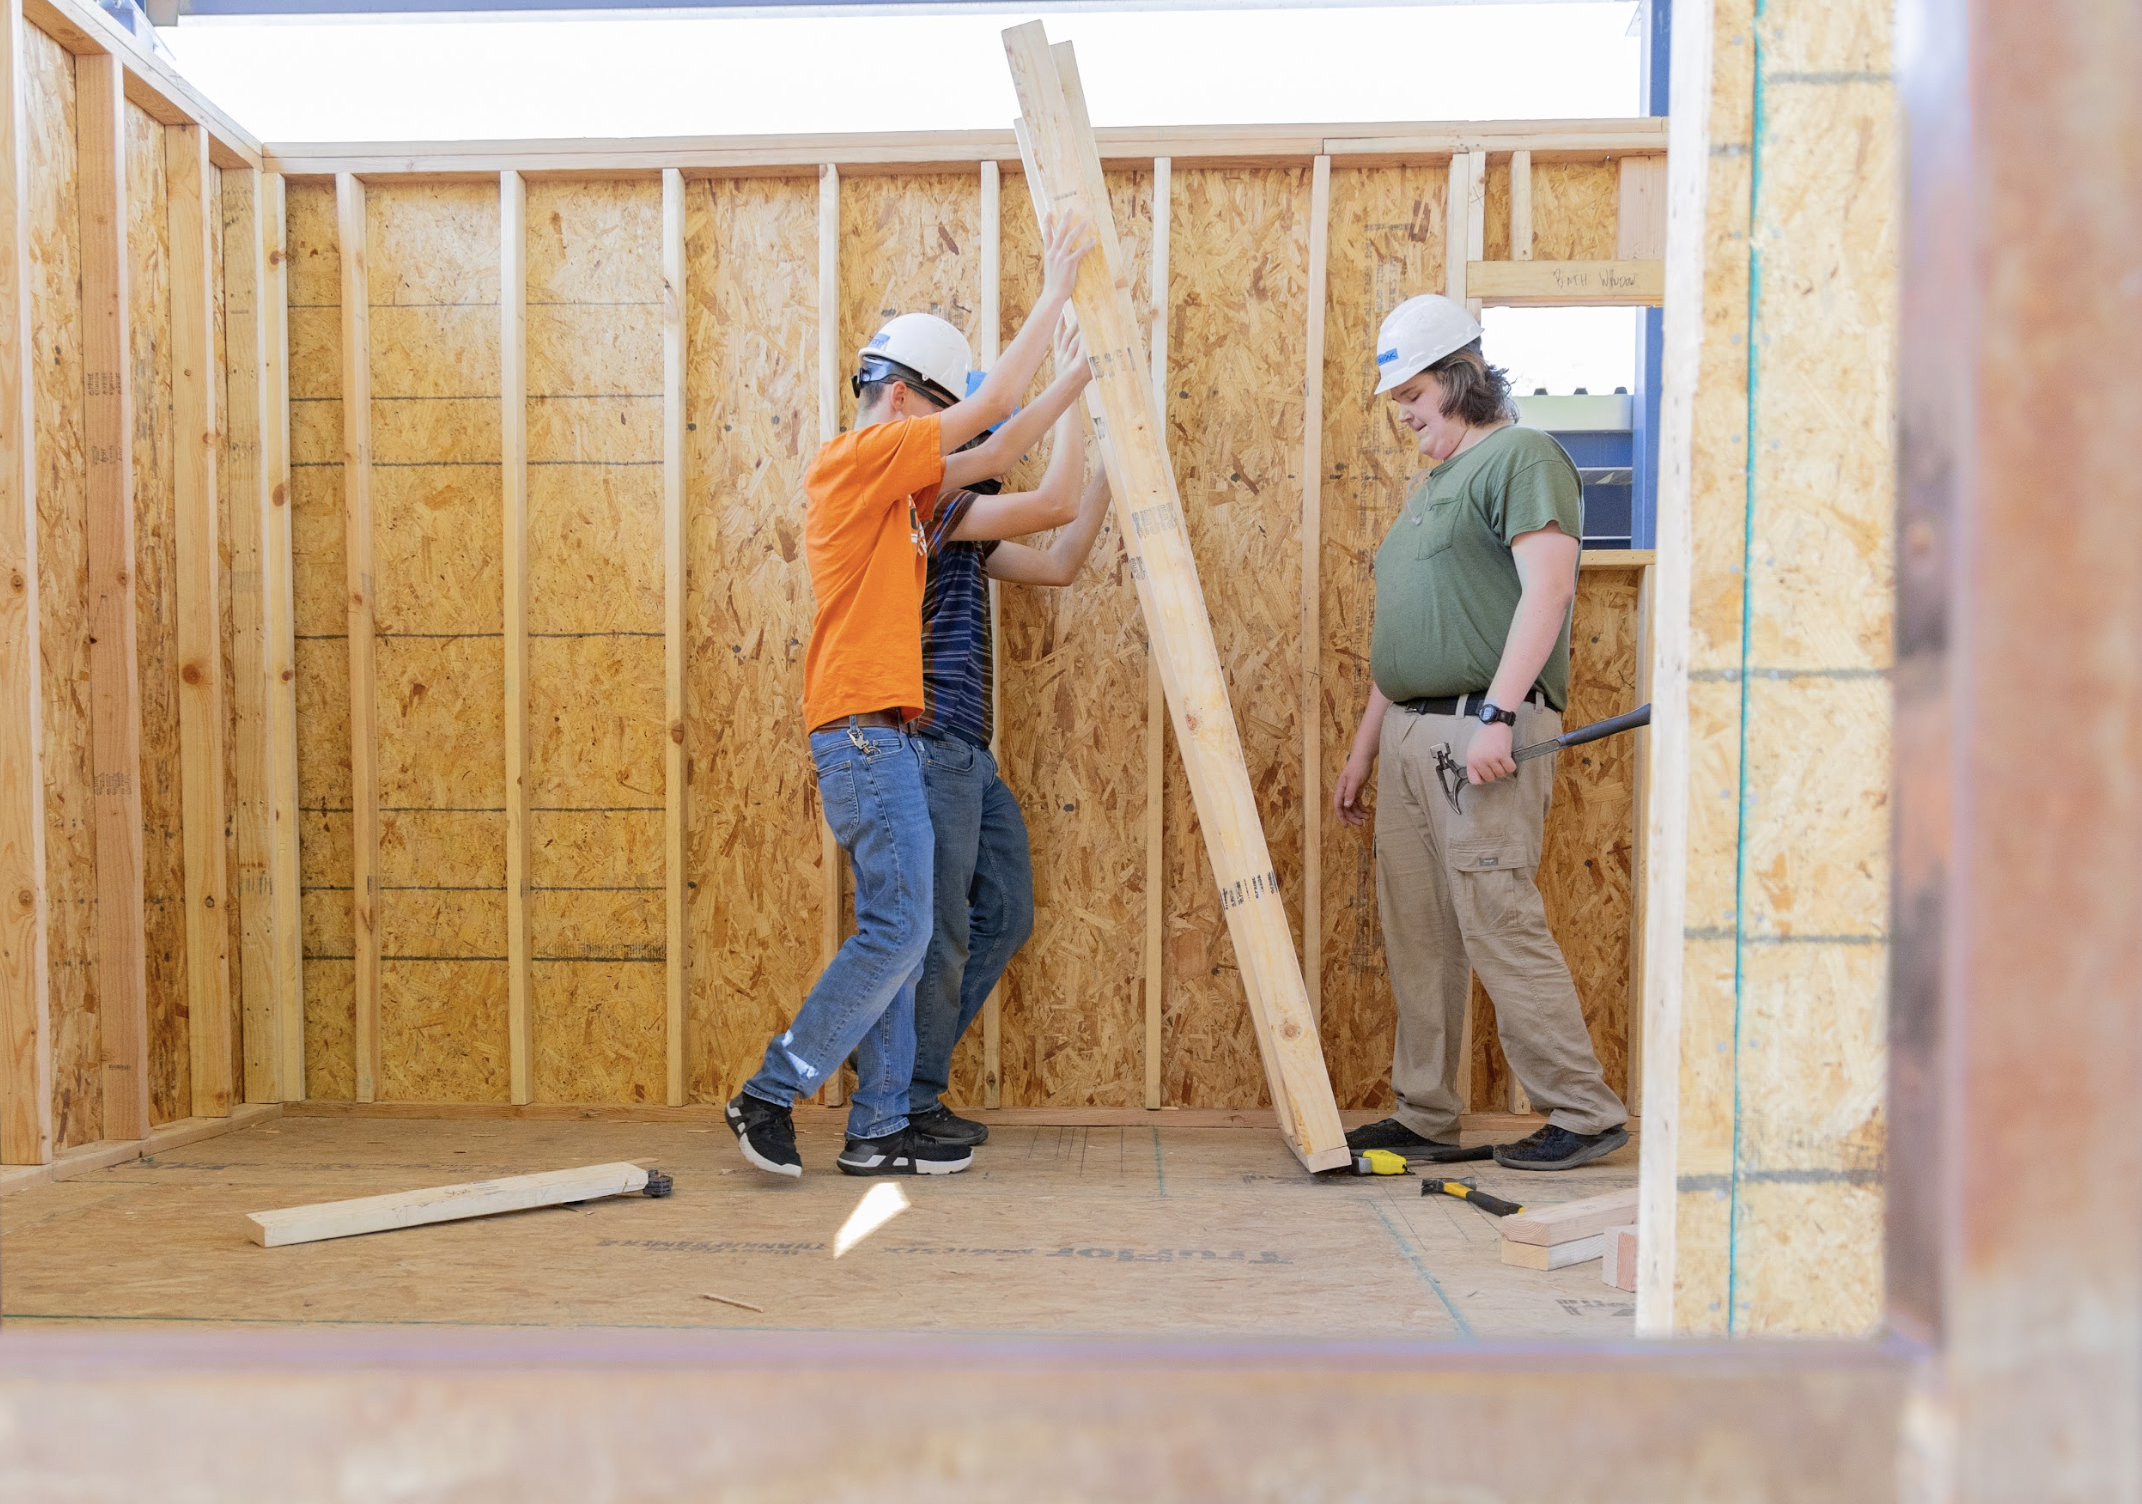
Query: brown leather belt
{"points": [[888, 718]]}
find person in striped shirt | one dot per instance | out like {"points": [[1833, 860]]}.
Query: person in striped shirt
{"points": [[983, 876]]}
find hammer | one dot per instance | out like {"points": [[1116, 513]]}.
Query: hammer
{"points": [[1451, 774]]}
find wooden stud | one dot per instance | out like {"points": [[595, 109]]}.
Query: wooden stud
{"points": [[1455, 200], [357, 522], [990, 333], [1520, 206], [1640, 210], [278, 610], [199, 634], [1312, 712], [115, 670], [828, 430], [243, 477], [1156, 703], [1475, 220], [1065, 169], [25, 995], [446, 1203], [673, 749], [513, 459], [1646, 599]]}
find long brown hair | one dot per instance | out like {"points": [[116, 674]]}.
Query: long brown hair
{"points": [[1473, 391]]}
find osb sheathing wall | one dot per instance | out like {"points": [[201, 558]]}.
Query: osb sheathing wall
{"points": [[1073, 660], [52, 195], [1765, 1178]]}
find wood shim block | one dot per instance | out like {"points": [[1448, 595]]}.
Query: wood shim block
{"points": [[1552, 1225], [446, 1203], [1057, 147], [1560, 1256], [1617, 1261], [1547, 284]]}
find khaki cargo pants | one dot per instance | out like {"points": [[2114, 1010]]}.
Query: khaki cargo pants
{"points": [[1456, 895]]}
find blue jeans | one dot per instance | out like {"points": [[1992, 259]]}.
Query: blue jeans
{"points": [[984, 883], [870, 780]]}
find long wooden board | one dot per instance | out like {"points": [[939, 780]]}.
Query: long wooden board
{"points": [[115, 667], [1058, 146], [278, 610], [245, 486], [357, 523], [200, 615], [25, 999], [513, 486], [674, 754], [446, 1203]]}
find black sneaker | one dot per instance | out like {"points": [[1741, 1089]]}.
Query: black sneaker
{"points": [[1555, 1148], [766, 1134], [1391, 1134], [904, 1153], [945, 1126]]}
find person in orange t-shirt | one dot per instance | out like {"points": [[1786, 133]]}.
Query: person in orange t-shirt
{"points": [[871, 491]]}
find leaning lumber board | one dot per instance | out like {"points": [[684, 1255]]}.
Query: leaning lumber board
{"points": [[446, 1203], [1560, 1256], [1551, 1225], [1057, 146]]}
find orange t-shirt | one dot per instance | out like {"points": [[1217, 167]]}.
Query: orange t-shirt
{"points": [[870, 492]]}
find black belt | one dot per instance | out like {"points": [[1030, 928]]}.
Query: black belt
{"points": [[1468, 705]]}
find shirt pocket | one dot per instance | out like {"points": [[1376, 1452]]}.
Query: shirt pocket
{"points": [[1437, 528]]}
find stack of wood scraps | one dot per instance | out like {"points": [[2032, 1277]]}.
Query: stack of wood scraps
{"points": [[1554, 1237]]}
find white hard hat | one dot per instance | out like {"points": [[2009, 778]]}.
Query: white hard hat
{"points": [[918, 344], [1418, 333]]}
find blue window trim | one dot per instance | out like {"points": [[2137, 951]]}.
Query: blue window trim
{"points": [[1656, 22]]}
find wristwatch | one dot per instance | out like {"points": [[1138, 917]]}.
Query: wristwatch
{"points": [[1490, 713]]}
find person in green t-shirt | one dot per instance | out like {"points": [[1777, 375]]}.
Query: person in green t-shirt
{"points": [[1474, 584]]}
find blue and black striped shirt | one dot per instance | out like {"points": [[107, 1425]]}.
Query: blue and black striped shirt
{"points": [[958, 668]]}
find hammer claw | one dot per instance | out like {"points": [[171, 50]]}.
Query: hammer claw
{"points": [[1450, 773]]}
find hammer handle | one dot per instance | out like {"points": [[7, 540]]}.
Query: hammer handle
{"points": [[1640, 716]]}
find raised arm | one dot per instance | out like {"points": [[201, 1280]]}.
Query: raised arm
{"points": [[1070, 237], [1053, 503], [1065, 555], [1001, 450]]}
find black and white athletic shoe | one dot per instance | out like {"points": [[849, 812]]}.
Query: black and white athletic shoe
{"points": [[904, 1153], [947, 1127], [766, 1134]]}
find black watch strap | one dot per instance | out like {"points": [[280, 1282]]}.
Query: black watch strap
{"points": [[1490, 713]]}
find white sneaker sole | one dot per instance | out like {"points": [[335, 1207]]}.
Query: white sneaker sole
{"points": [[885, 1164]]}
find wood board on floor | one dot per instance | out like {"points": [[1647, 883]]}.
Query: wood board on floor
{"points": [[1061, 1229], [320, 1220]]}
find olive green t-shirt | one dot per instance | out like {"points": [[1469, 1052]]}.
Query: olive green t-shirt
{"points": [[1446, 584]]}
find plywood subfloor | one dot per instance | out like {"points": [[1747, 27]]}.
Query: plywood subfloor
{"points": [[1057, 1229]]}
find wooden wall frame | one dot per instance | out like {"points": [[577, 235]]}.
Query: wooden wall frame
{"points": [[2015, 1296]]}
